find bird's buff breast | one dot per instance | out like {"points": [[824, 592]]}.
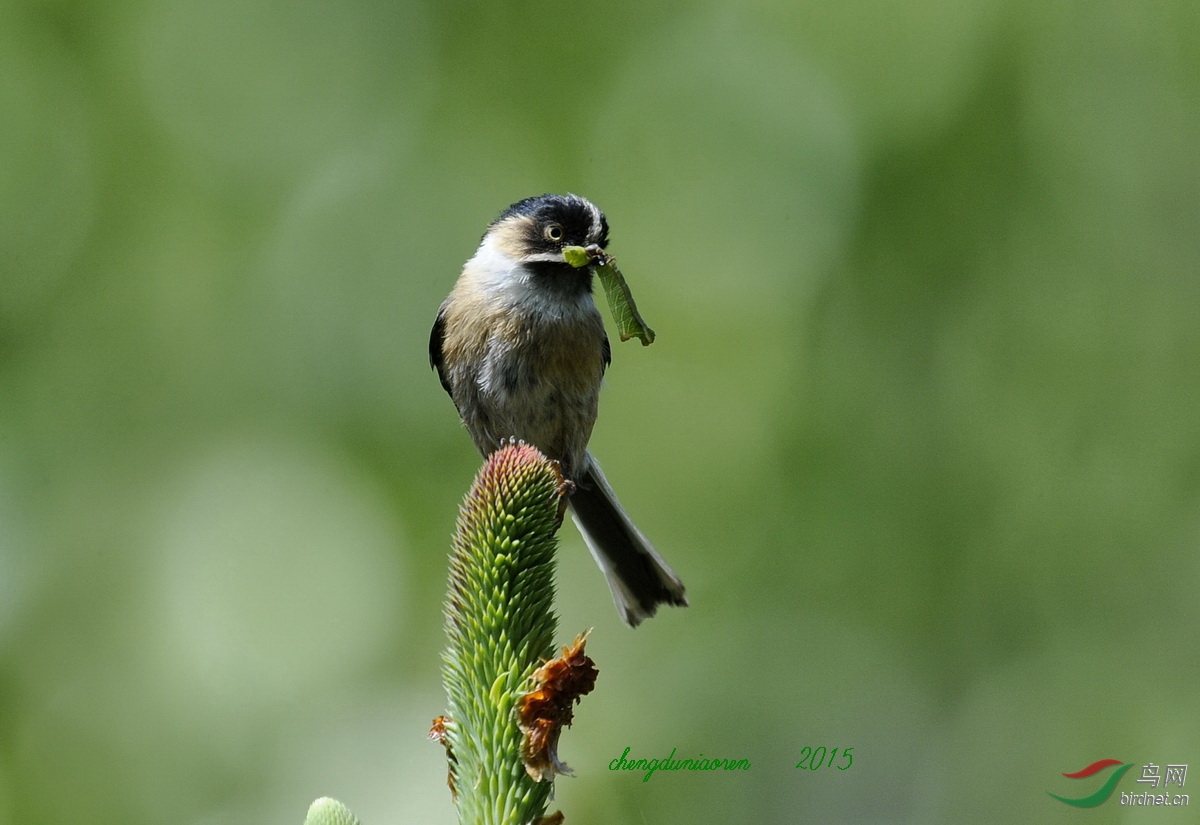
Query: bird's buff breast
{"points": [[537, 381]]}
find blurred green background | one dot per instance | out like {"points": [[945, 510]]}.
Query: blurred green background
{"points": [[920, 430]]}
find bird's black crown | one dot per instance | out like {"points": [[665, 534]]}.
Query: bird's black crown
{"points": [[581, 221]]}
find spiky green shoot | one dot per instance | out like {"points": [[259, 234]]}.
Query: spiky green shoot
{"points": [[501, 627], [326, 811]]}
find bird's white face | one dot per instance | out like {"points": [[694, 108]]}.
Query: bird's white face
{"points": [[537, 230], [521, 260]]}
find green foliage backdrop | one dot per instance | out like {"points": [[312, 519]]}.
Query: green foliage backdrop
{"points": [[919, 430]]}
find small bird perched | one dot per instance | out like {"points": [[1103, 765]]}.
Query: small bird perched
{"points": [[520, 347]]}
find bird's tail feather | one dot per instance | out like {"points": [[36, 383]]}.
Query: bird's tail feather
{"points": [[638, 577]]}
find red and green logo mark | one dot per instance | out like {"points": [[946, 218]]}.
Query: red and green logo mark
{"points": [[1105, 790]]}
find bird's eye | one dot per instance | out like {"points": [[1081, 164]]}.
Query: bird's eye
{"points": [[553, 232]]}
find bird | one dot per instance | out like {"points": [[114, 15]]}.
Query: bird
{"points": [[521, 349]]}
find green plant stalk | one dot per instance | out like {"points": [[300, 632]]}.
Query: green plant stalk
{"points": [[501, 627]]}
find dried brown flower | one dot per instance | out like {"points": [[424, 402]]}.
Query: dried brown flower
{"points": [[438, 734], [545, 710]]}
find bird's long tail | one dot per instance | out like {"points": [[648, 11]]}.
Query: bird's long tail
{"points": [[638, 577]]}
